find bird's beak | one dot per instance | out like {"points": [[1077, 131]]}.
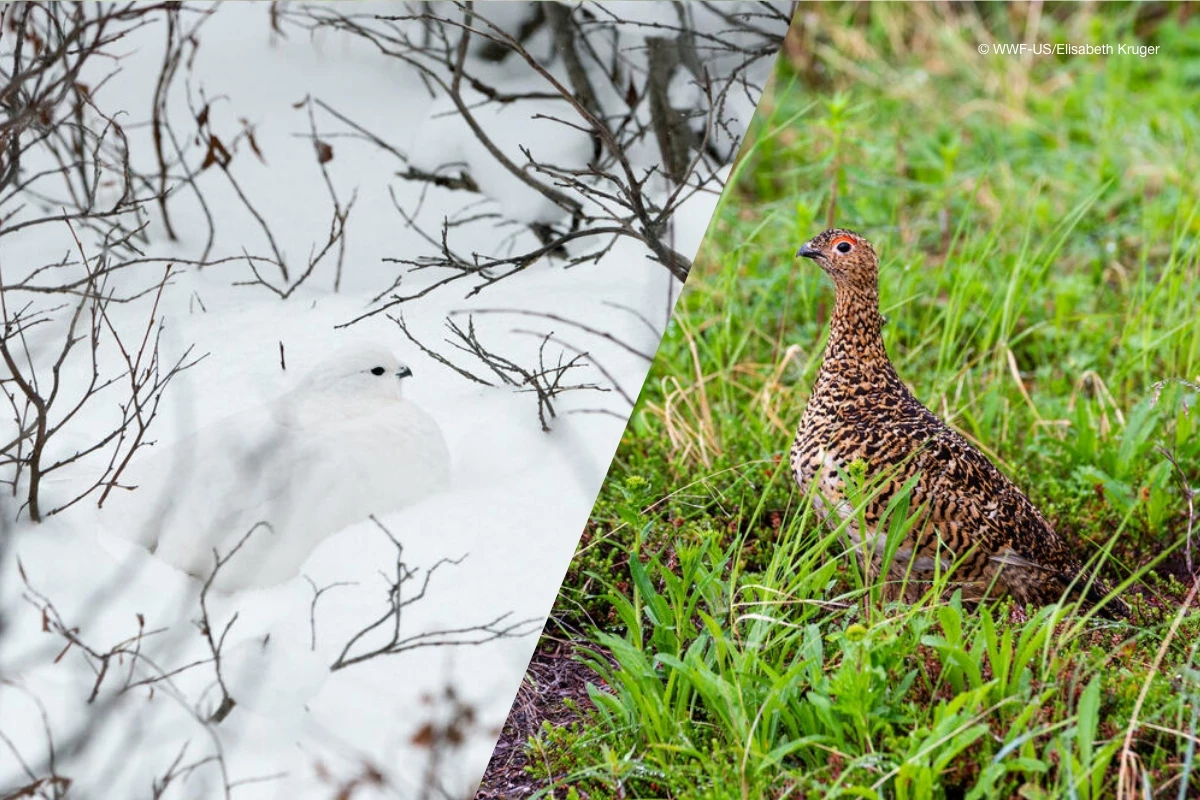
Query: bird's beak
{"points": [[807, 251], [404, 372]]}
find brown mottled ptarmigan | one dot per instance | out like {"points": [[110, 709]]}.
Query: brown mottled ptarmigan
{"points": [[863, 423]]}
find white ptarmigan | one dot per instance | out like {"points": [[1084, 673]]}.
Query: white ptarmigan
{"points": [[341, 446]]}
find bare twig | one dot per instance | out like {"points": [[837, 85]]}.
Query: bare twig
{"points": [[35, 384], [357, 649], [216, 642], [546, 380], [1190, 494]]}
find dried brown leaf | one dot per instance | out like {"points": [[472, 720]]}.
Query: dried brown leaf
{"points": [[324, 151]]}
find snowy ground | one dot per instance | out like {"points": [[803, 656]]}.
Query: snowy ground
{"points": [[517, 501]]}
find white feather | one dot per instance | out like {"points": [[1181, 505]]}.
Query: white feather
{"points": [[341, 446]]}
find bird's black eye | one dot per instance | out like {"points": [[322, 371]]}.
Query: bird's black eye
{"points": [[843, 247], [377, 370]]}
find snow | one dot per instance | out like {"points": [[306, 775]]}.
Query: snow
{"points": [[517, 497], [515, 130]]}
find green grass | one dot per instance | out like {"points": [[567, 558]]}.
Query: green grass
{"points": [[1038, 222]]}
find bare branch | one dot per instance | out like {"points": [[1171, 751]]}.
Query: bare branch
{"points": [[357, 649]]}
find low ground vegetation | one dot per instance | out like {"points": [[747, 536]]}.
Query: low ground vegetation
{"points": [[1038, 221]]}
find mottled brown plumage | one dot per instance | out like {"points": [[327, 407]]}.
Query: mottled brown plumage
{"points": [[968, 512]]}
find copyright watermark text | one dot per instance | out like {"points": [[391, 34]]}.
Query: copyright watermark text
{"points": [[1065, 49]]}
